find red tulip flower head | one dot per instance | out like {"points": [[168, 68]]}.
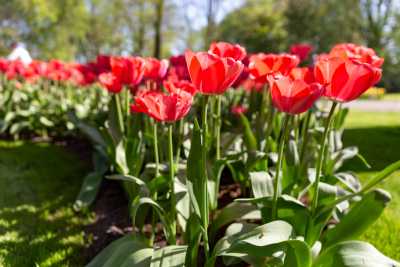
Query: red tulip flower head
{"points": [[358, 53], [211, 74], [345, 79], [223, 49], [163, 107], [305, 73], [155, 69], [293, 96], [180, 86], [263, 65], [301, 50]]}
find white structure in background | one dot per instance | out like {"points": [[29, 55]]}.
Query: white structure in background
{"points": [[20, 53]]}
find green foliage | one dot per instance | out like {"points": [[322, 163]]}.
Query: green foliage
{"points": [[258, 25]]}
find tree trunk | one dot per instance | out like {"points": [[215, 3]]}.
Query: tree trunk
{"points": [[159, 6]]}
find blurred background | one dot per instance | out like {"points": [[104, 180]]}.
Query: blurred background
{"points": [[81, 29]]}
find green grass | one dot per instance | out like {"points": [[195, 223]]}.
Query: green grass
{"points": [[392, 96], [377, 136], [38, 183]]}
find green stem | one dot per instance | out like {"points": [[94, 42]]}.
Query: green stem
{"points": [[181, 124], [156, 156], [285, 131], [204, 209], [218, 128], [120, 117], [172, 181], [304, 138], [320, 158], [127, 111]]}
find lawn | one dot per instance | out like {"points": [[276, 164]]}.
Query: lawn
{"points": [[378, 137], [38, 183], [391, 96]]}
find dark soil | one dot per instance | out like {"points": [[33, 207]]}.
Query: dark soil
{"points": [[111, 219]]}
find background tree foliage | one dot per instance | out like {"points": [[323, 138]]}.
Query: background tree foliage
{"points": [[79, 30]]}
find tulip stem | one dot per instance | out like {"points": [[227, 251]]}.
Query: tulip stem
{"points": [[120, 116], [218, 128], [155, 147], [281, 146], [304, 139], [204, 209], [172, 182], [321, 157]]}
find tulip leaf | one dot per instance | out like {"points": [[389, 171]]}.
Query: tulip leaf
{"points": [[262, 184], [266, 241], [170, 256], [127, 251], [249, 138], [232, 212], [353, 254], [382, 175], [362, 215], [196, 175], [120, 158]]}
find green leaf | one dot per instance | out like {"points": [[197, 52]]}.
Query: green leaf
{"points": [[248, 136], [382, 175], [214, 182], [362, 215], [160, 211], [264, 241], [170, 256], [120, 158], [353, 254], [91, 183], [124, 252], [127, 178], [196, 175], [262, 184], [90, 131], [232, 212]]}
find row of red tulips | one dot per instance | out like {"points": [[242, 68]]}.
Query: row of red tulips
{"points": [[297, 210]]}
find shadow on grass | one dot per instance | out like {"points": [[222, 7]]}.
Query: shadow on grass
{"points": [[38, 183], [380, 146]]}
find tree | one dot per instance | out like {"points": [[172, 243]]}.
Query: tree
{"points": [[258, 25]]}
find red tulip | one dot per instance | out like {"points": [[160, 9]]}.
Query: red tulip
{"points": [[305, 73], [155, 69], [178, 68], [345, 79], [223, 49], [179, 86], [239, 109], [301, 50], [211, 74], [357, 52], [162, 107], [262, 65], [129, 70], [111, 82], [293, 96]]}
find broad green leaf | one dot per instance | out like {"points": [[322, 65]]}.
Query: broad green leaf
{"points": [[353, 254], [91, 183], [214, 175], [127, 251], [120, 158], [232, 212], [382, 175], [262, 184], [90, 131], [170, 256], [196, 174], [362, 215], [139, 201], [264, 242], [248, 136]]}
